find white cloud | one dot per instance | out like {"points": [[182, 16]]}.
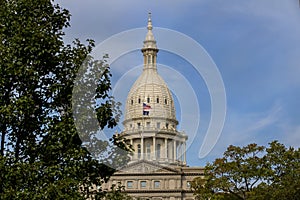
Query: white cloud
{"points": [[290, 134], [244, 128], [261, 120]]}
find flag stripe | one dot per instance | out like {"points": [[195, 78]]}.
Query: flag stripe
{"points": [[146, 109]]}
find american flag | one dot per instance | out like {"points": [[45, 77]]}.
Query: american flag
{"points": [[146, 109]]}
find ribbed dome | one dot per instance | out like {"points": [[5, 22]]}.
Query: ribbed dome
{"points": [[151, 89]]}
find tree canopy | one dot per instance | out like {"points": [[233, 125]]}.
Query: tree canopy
{"points": [[252, 172], [42, 155]]}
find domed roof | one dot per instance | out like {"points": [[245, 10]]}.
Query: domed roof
{"points": [[150, 90], [150, 124]]}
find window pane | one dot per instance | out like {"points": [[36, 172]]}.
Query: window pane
{"points": [[143, 184], [158, 125], [148, 149], [158, 151], [139, 151], [188, 184], [156, 184], [129, 184]]}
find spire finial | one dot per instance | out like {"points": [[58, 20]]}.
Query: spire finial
{"points": [[149, 41], [149, 21]]}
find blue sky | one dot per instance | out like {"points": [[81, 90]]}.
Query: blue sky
{"points": [[255, 44]]}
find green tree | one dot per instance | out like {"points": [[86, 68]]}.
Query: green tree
{"points": [[283, 179], [252, 172], [116, 193], [41, 153]]}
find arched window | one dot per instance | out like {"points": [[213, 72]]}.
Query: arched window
{"points": [[148, 100], [139, 100], [157, 100], [131, 102]]}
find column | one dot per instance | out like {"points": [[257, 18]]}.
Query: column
{"points": [[131, 142], [181, 151], [154, 148], [166, 149], [184, 153], [174, 151], [142, 148]]}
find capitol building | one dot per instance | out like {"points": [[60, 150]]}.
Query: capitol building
{"points": [[157, 169]]}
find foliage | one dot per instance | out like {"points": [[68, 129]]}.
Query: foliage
{"points": [[42, 155], [252, 172], [116, 193]]}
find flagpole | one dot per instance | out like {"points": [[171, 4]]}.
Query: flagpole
{"points": [[146, 111], [142, 138]]}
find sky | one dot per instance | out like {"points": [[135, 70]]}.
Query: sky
{"points": [[253, 46]]}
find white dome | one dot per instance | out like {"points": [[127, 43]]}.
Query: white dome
{"points": [[150, 124], [150, 89]]}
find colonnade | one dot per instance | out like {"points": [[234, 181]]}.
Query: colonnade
{"points": [[170, 150]]}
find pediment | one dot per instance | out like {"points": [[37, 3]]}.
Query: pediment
{"points": [[145, 167]]}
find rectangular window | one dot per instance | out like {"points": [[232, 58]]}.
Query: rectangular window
{"points": [[188, 184], [148, 150], [139, 125], [129, 184], [156, 184], [157, 100], [167, 150], [143, 184], [148, 100], [139, 151], [158, 125], [148, 124], [158, 151]]}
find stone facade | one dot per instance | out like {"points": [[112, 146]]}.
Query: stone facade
{"points": [[157, 169], [148, 180]]}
